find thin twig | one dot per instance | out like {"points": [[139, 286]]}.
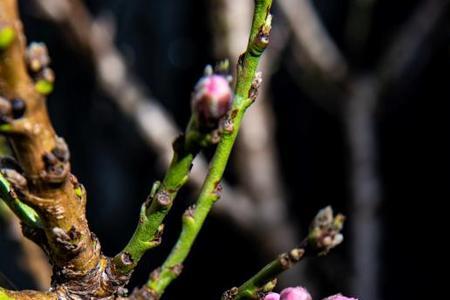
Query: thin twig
{"points": [[154, 122], [155, 209], [324, 234], [257, 161], [245, 92]]}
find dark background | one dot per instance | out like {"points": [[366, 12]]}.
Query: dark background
{"points": [[117, 168]]}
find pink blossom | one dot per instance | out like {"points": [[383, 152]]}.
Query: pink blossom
{"points": [[212, 98], [272, 296], [339, 297], [295, 293]]}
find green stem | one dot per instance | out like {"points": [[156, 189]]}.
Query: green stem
{"points": [[23, 211], [244, 95], [154, 210], [324, 234]]}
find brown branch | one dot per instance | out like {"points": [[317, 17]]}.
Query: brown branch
{"points": [[43, 181], [50, 189], [32, 258]]}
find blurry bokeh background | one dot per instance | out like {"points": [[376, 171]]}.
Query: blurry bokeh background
{"points": [[354, 114]]}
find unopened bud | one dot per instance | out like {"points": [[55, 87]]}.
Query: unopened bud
{"points": [[37, 56], [339, 297], [295, 293], [211, 99], [7, 35], [272, 296], [44, 81]]}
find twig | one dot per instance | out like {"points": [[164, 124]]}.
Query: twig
{"points": [[324, 234], [245, 92], [154, 123], [256, 154], [154, 210]]}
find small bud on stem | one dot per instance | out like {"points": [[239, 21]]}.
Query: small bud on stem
{"points": [[37, 57], [291, 293], [211, 99]]}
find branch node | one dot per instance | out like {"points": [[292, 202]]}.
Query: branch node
{"points": [[256, 84], [163, 198], [126, 259]]}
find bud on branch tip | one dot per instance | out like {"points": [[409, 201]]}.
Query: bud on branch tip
{"points": [[291, 293], [211, 99]]}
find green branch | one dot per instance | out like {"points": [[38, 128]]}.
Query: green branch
{"points": [[245, 93], [25, 213], [324, 234], [154, 210]]}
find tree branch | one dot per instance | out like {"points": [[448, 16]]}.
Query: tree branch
{"points": [[324, 234], [46, 185], [41, 178], [154, 210], [154, 123], [256, 154], [245, 93]]}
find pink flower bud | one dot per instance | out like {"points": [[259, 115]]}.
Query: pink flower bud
{"points": [[295, 293], [339, 297], [211, 99], [272, 296]]}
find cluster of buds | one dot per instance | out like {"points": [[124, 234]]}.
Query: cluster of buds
{"points": [[325, 231], [300, 293], [38, 61], [211, 99]]}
